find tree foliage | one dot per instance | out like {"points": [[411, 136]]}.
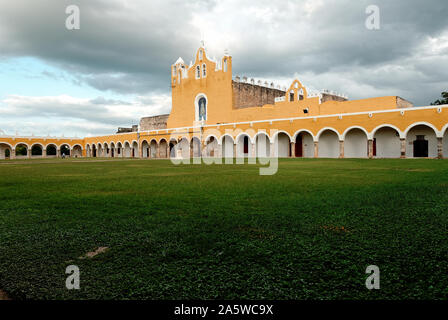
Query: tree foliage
{"points": [[444, 100]]}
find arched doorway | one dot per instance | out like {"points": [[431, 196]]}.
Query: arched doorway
{"points": [[195, 147], [119, 150], [421, 142], [52, 150], [65, 150], [328, 144], [184, 147], [100, 151], [153, 149], [37, 150], [173, 149], [146, 152], [282, 145], [5, 151], [356, 144], [134, 150], [127, 150], [21, 150], [211, 148], [163, 147], [106, 150], [112, 150], [304, 145], [386, 143], [243, 146], [77, 151], [262, 145], [94, 151], [227, 147]]}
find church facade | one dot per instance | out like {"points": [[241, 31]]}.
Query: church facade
{"points": [[216, 115]]}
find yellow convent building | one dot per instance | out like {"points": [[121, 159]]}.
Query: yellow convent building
{"points": [[218, 116]]}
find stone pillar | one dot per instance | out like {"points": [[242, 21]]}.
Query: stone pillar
{"points": [[13, 154], [403, 148], [292, 150], [44, 153], [370, 148], [234, 150], [167, 150], [192, 149], [341, 149], [28, 154], [158, 152], [316, 149], [253, 151], [439, 148], [58, 153]]}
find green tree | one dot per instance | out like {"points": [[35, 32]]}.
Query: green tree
{"points": [[444, 100]]}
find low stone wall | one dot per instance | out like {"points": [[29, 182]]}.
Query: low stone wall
{"points": [[246, 95], [154, 123]]}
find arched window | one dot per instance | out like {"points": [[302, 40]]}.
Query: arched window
{"points": [[204, 70], [200, 55], [202, 109], [291, 95], [198, 72], [225, 65]]}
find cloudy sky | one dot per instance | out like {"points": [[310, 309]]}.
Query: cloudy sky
{"points": [[116, 68]]}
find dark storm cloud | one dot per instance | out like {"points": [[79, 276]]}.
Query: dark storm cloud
{"points": [[128, 46]]}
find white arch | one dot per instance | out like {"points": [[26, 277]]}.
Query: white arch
{"points": [[19, 143], [126, 141], [65, 144], [37, 144], [282, 146], [260, 133], [77, 144], [278, 132], [325, 129], [209, 136], [237, 138], [386, 125], [303, 130], [51, 144], [356, 127], [222, 138], [262, 147], [423, 123], [444, 129], [7, 144]]}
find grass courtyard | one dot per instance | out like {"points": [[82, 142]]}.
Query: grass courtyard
{"points": [[224, 231]]}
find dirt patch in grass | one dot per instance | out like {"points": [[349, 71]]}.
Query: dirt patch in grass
{"points": [[92, 254], [3, 295], [337, 229]]}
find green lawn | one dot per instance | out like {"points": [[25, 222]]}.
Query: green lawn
{"points": [[224, 231]]}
